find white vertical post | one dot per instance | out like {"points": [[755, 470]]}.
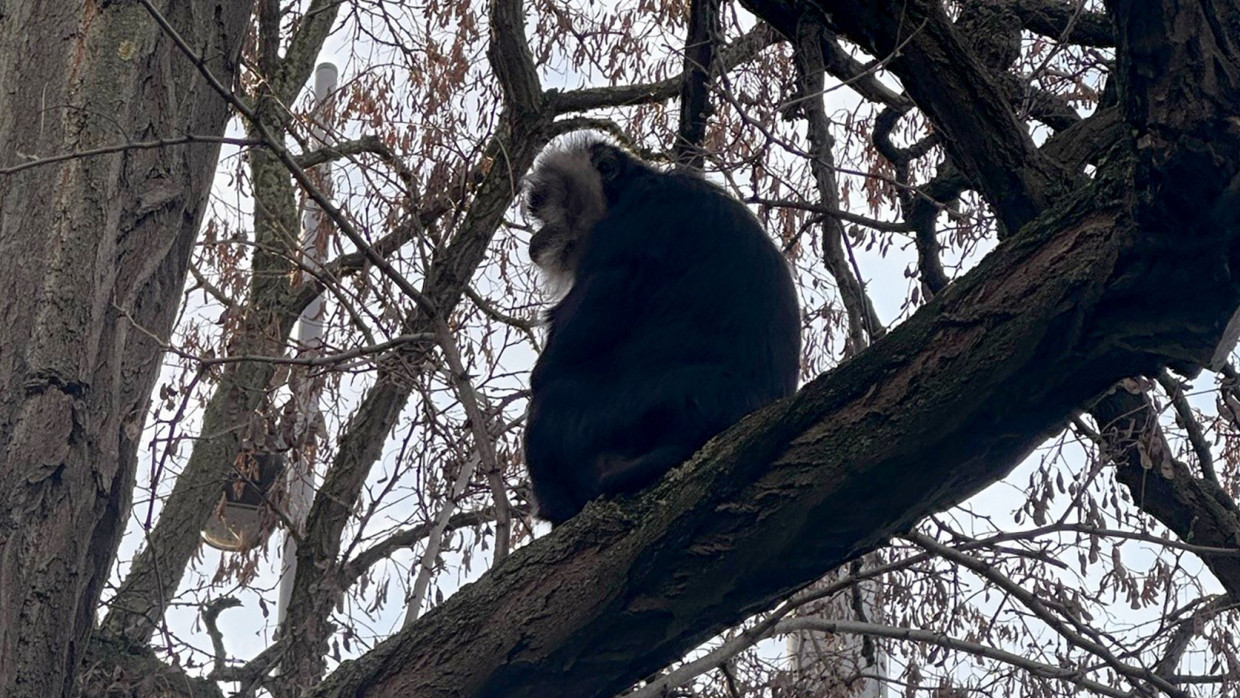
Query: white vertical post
{"points": [[306, 388], [827, 664]]}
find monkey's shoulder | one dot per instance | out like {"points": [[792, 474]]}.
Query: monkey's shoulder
{"points": [[686, 204]]}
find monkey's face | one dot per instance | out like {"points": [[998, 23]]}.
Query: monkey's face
{"points": [[564, 194], [563, 221], [555, 250], [568, 192]]}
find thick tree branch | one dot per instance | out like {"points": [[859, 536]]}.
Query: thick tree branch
{"points": [[1085, 141], [303, 49], [510, 58], [157, 570], [1065, 21], [953, 88], [741, 51]]}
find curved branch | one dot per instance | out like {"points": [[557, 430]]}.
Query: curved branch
{"points": [[953, 88], [737, 53]]}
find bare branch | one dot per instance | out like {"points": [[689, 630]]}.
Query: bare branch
{"points": [[1065, 625], [739, 52], [484, 441], [210, 613], [838, 213], [695, 87], [919, 211], [410, 537], [122, 147], [1196, 436], [863, 323]]}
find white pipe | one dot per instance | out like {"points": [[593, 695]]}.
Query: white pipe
{"points": [[310, 338]]}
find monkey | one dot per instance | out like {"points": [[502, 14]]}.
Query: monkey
{"points": [[675, 316]]}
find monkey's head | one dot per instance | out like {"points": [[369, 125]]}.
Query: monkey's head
{"points": [[567, 193]]}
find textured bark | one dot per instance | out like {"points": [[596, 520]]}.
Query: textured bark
{"points": [[109, 671], [950, 84], [93, 255]]}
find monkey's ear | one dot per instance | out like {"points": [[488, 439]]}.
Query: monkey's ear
{"points": [[536, 198], [609, 165]]}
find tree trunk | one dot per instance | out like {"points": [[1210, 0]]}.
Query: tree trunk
{"points": [[93, 256]]}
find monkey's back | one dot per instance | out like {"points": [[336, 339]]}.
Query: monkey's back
{"points": [[682, 318]]}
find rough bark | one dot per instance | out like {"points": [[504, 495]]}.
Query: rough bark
{"points": [[110, 670], [93, 256]]}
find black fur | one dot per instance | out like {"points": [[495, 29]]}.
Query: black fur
{"points": [[680, 318]]}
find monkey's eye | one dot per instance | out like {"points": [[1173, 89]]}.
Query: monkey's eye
{"points": [[608, 167]]}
